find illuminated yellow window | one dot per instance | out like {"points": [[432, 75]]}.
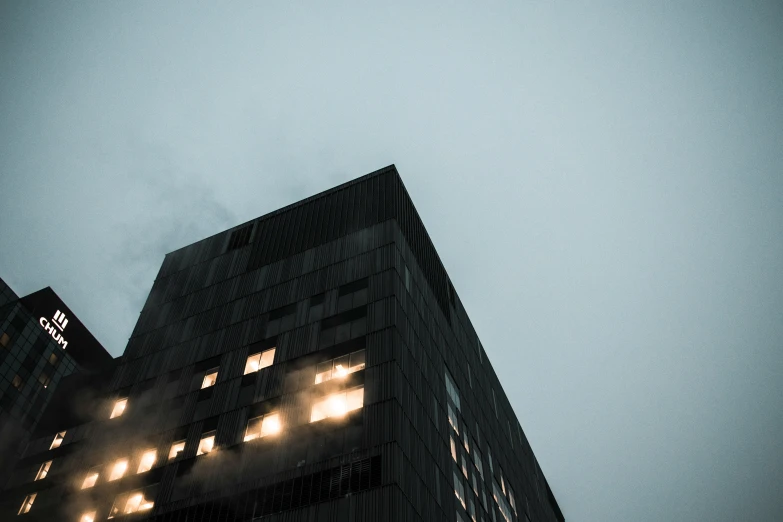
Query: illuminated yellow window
{"points": [[147, 461], [119, 408], [58, 439], [176, 449], [118, 469], [259, 360], [262, 426], [88, 517], [132, 502], [43, 470], [209, 378], [27, 504], [90, 479], [339, 367], [337, 404], [206, 443]]}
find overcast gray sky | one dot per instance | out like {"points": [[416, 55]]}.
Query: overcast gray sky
{"points": [[601, 179]]}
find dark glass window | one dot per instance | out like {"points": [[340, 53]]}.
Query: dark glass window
{"points": [[240, 237], [281, 320], [352, 295], [316, 308]]}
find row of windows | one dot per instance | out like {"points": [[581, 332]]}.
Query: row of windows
{"points": [[500, 494]]}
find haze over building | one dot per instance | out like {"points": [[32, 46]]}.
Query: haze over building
{"points": [[315, 363]]}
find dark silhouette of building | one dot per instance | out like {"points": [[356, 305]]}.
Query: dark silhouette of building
{"points": [[41, 343], [314, 364]]}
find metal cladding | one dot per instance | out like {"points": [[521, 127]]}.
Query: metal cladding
{"points": [[314, 364]]}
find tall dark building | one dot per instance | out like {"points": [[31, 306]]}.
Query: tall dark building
{"points": [[314, 364], [41, 343]]}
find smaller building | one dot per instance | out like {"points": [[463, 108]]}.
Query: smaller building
{"points": [[42, 342]]}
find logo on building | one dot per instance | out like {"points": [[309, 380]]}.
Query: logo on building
{"points": [[55, 327]]}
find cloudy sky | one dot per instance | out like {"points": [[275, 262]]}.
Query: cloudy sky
{"points": [[601, 179]]}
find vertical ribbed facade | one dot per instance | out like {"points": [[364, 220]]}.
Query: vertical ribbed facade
{"points": [[314, 364]]}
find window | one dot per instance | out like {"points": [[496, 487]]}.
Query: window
{"points": [[471, 509], [281, 320], [263, 425], [44, 378], [452, 418], [470, 377], [464, 466], [503, 506], [43, 470], [118, 469], [407, 279], [119, 408], [489, 459], [206, 443], [53, 359], [176, 448], [316, 308], [27, 504], [147, 461], [18, 383], [209, 378], [339, 367], [87, 517], [477, 461], [511, 499], [495, 403], [4, 340], [90, 479], [337, 404], [343, 327], [240, 237], [452, 390], [259, 360], [133, 501], [58, 439], [352, 295], [459, 489], [453, 449], [466, 439]]}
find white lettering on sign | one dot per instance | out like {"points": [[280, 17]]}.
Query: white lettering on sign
{"points": [[60, 322]]}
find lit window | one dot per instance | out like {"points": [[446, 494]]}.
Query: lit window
{"points": [[43, 470], [477, 461], [453, 449], [464, 467], [132, 502], [119, 408], [209, 378], [88, 517], [339, 367], [17, 382], [466, 439], [459, 489], [147, 461], [90, 479], [176, 449], [207, 443], [452, 418], [58, 439], [337, 404], [118, 469], [262, 426], [4, 340], [27, 504], [259, 360]]}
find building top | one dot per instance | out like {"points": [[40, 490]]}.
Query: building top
{"points": [[66, 329]]}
